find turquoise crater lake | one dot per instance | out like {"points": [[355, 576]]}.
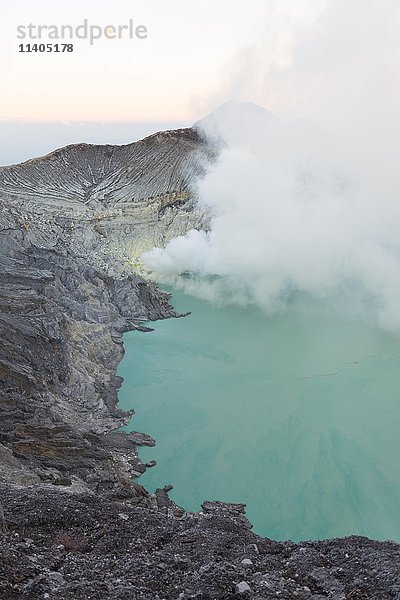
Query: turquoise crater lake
{"points": [[297, 415]]}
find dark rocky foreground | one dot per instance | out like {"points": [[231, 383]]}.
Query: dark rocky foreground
{"points": [[76, 545], [75, 525]]}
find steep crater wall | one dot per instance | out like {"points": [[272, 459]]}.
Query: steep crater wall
{"points": [[71, 225]]}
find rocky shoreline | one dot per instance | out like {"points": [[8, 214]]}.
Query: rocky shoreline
{"points": [[68, 294], [75, 524]]}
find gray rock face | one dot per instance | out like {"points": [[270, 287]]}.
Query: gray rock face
{"points": [[70, 223], [118, 200], [75, 524]]}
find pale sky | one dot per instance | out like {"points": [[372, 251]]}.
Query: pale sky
{"points": [[174, 75]]}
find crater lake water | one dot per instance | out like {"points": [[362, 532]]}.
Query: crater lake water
{"points": [[296, 415]]}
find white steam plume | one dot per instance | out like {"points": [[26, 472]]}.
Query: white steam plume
{"points": [[308, 199]]}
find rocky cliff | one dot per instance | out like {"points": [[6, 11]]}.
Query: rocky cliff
{"points": [[71, 227]]}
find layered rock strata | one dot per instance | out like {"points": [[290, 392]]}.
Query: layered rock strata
{"points": [[73, 522]]}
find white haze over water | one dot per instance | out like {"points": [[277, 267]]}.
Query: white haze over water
{"points": [[305, 198]]}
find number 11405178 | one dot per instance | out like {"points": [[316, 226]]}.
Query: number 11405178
{"points": [[45, 48]]}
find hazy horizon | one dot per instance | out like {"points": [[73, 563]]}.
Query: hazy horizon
{"points": [[179, 72], [118, 91], [30, 139]]}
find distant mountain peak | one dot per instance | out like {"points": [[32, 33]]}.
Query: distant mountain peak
{"points": [[228, 121]]}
